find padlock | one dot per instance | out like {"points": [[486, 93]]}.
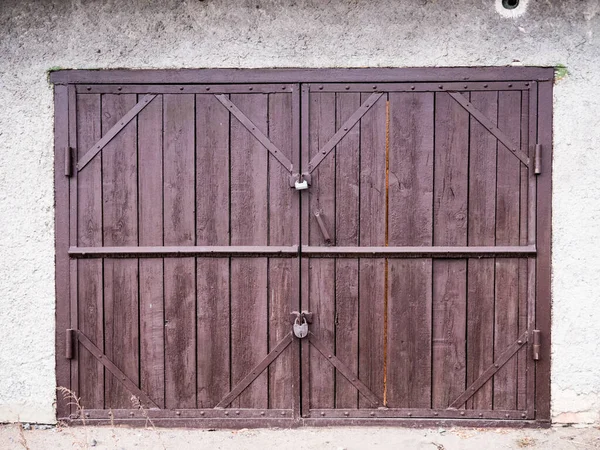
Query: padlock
{"points": [[301, 185], [300, 328]]}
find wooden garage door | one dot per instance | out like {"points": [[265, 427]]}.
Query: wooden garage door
{"points": [[420, 250], [300, 252]]}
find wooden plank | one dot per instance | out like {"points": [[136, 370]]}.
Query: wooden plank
{"points": [[150, 217], [445, 252], [481, 231], [120, 227], [450, 228], [118, 124], [372, 233], [544, 239], [341, 75], [283, 230], [61, 226], [212, 228], [249, 225], [321, 273], [343, 129], [410, 223], [195, 88], [347, 230], [507, 233], [179, 229]]}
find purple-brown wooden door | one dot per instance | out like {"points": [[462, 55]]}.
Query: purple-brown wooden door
{"points": [[413, 248], [418, 248], [184, 244]]}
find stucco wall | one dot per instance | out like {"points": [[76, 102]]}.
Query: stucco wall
{"points": [[36, 36]]}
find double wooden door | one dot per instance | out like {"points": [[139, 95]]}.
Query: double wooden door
{"points": [[302, 253]]}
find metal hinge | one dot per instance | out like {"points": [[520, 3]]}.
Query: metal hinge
{"points": [[69, 344], [537, 162], [536, 344], [68, 161]]}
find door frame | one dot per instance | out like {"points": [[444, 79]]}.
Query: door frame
{"points": [[65, 82]]}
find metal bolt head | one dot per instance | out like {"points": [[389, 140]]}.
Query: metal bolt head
{"points": [[178, 413], [372, 414], [322, 414], [346, 414]]}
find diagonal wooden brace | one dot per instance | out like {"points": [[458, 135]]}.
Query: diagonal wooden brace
{"points": [[123, 379], [256, 371], [489, 372], [489, 125], [344, 370], [133, 112], [343, 131], [253, 129]]}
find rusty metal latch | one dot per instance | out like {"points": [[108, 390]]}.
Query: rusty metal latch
{"points": [[536, 344], [301, 321]]}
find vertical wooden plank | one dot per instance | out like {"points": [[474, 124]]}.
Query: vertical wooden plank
{"points": [[89, 233], [249, 222], [150, 216], [179, 229], [410, 224], [61, 226], [212, 228], [450, 228], [372, 233], [507, 233], [522, 361], [543, 241], [346, 270], [322, 271], [120, 228], [283, 230], [481, 231]]}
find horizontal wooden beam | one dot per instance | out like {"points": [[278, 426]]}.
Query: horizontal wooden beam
{"points": [[418, 252], [182, 251], [422, 87], [419, 413], [185, 88], [423, 74], [200, 413]]}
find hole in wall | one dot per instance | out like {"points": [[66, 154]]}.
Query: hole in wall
{"points": [[510, 4], [511, 8]]}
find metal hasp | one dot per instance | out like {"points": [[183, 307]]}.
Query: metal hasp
{"points": [[536, 344]]}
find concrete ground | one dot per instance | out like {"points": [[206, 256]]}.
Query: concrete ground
{"points": [[41, 437]]}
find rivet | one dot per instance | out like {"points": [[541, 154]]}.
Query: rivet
{"points": [[320, 88], [119, 89], [226, 413], [409, 414], [262, 413], [237, 412], [462, 413], [177, 413], [367, 105], [496, 365], [324, 152], [519, 341], [322, 414], [89, 89], [250, 88], [473, 389], [480, 414], [345, 128], [346, 414], [353, 379], [347, 87], [329, 356], [131, 413], [523, 416], [374, 87], [306, 415], [283, 88], [436, 414], [466, 86], [441, 87], [201, 413], [412, 88], [510, 85], [181, 88], [527, 84], [372, 414], [283, 413], [109, 413], [485, 85], [507, 415], [207, 88], [88, 414]]}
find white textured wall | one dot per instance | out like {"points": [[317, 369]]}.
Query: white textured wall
{"points": [[35, 36]]}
